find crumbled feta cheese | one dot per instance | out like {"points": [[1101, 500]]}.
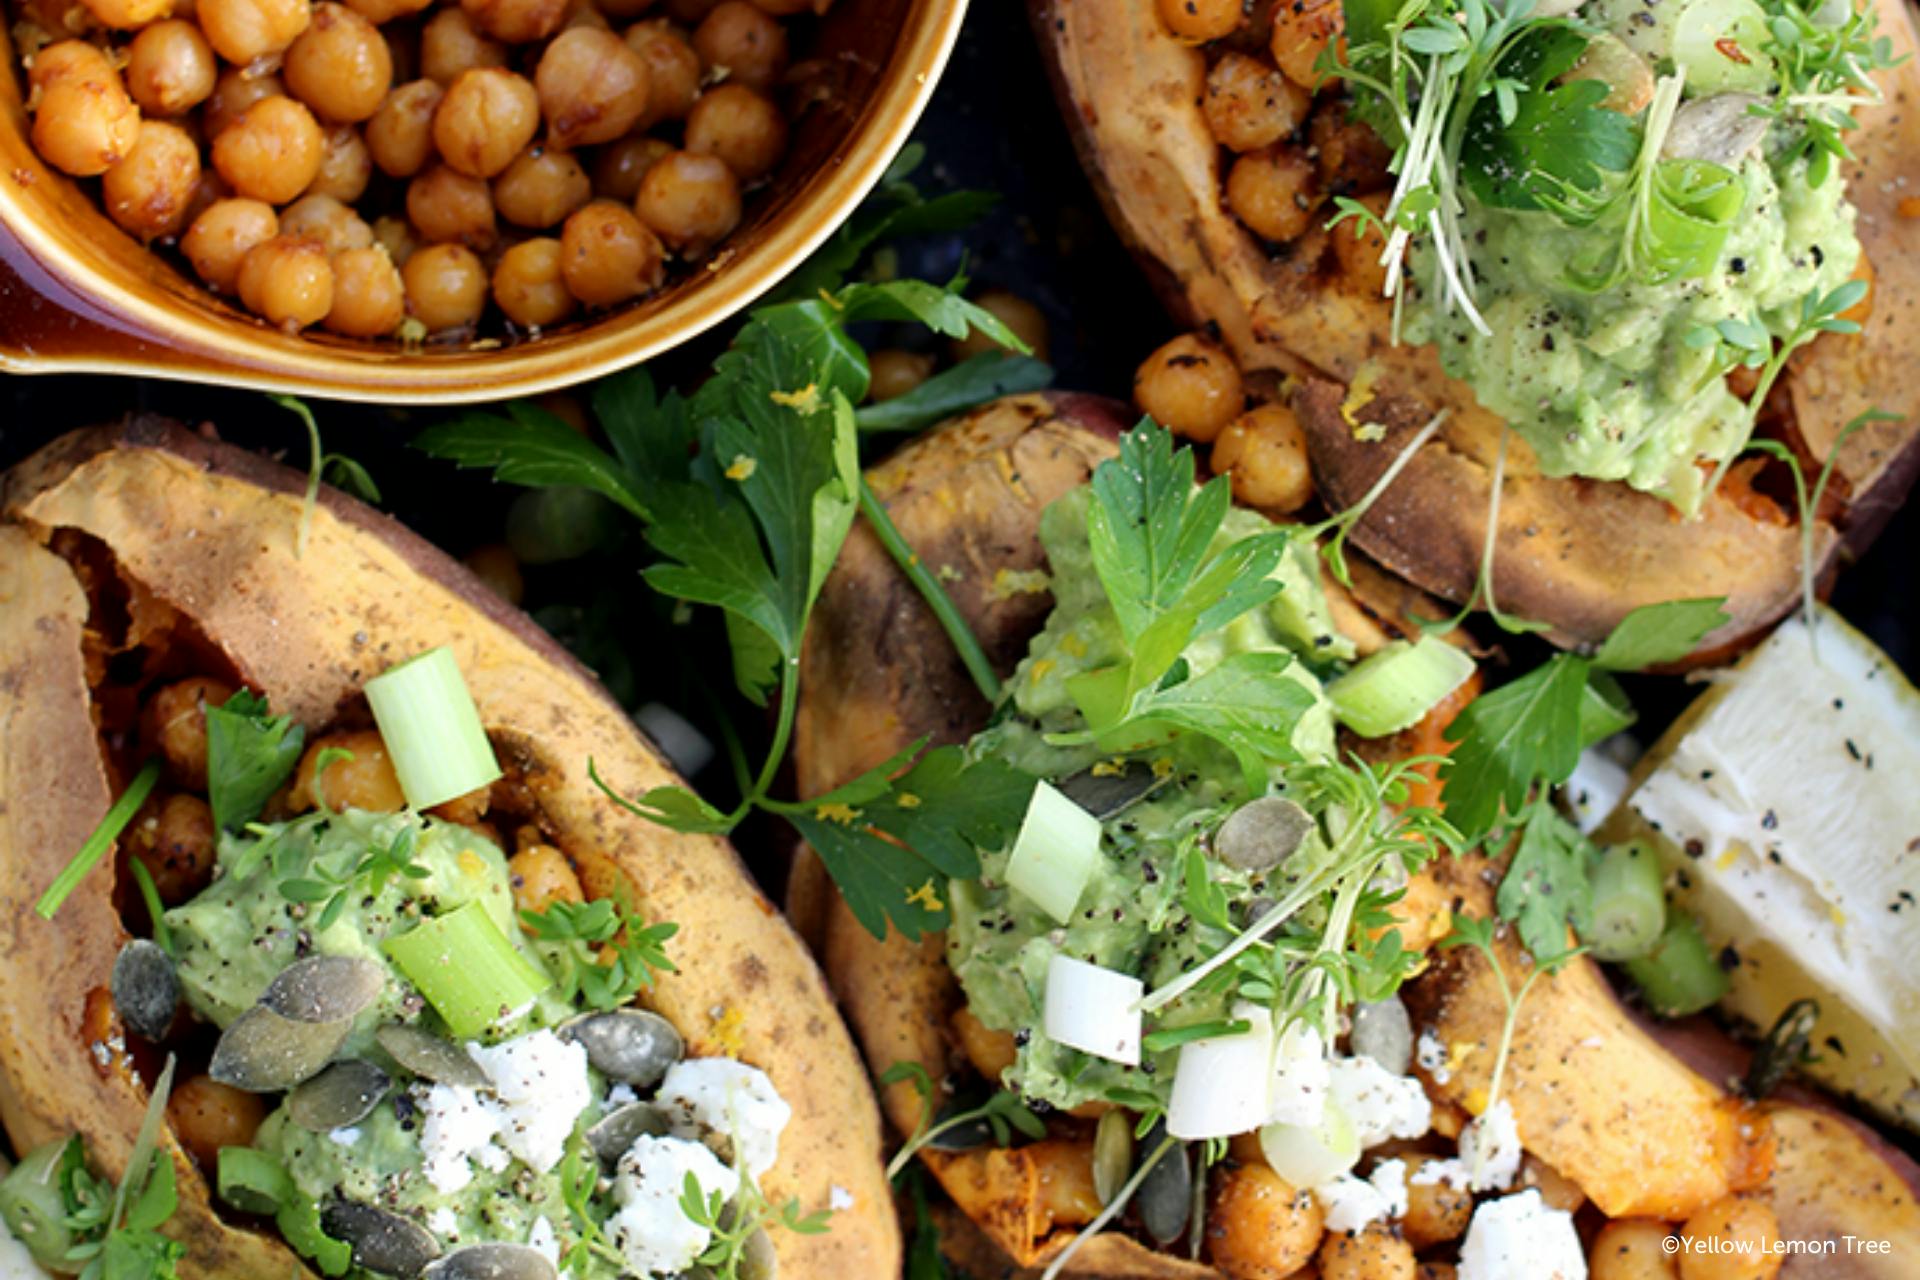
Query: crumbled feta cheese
{"points": [[544, 1240], [650, 1227], [839, 1199], [1301, 1074], [16, 1261], [344, 1137], [542, 1086], [1518, 1237], [1380, 1104], [719, 1096], [620, 1095], [1350, 1203], [458, 1127], [444, 1222], [1490, 1148], [1432, 1057]]}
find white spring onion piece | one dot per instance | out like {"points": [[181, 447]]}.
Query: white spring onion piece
{"points": [[1223, 1085], [688, 748], [1308, 1155], [1092, 1009], [1393, 688], [1055, 853], [431, 729], [1302, 1076]]}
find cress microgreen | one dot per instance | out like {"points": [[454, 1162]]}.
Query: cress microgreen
{"points": [[600, 953], [1003, 1113], [115, 1231], [734, 1226], [1479, 933], [333, 888]]}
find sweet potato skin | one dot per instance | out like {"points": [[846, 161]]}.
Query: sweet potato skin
{"points": [[211, 530]]}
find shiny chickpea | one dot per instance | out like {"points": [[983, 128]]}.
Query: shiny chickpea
{"points": [[327, 220], [530, 286], [233, 93], [450, 44], [1190, 386], [346, 167], [517, 21], [400, 135], [742, 127], [487, 117], [1436, 1211], [147, 193], [173, 838], [1632, 1249], [749, 44], [1265, 452], [1745, 1241], [174, 723], [243, 30], [1198, 21], [219, 239], [1357, 250], [83, 122], [1373, 1254], [1274, 192], [272, 152], [1302, 30], [691, 202], [990, 1051], [1350, 156], [1249, 104], [128, 15], [444, 205], [446, 286], [287, 281], [540, 188], [395, 235], [340, 66], [362, 778], [170, 68], [381, 12], [619, 166], [894, 373], [1559, 1191], [541, 876], [607, 257], [673, 70], [206, 1115], [1028, 323], [592, 86], [369, 300], [1259, 1226]]}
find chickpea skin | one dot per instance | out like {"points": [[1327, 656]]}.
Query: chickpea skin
{"points": [[450, 44], [287, 281], [540, 188], [743, 128], [1250, 105], [1264, 450], [128, 15], [446, 287], [592, 86], [340, 66], [148, 193], [444, 205], [399, 137], [220, 238], [516, 21], [170, 68], [1632, 1249], [362, 778], [369, 299], [1190, 386], [84, 122], [749, 44], [1274, 192], [530, 286], [691, 202], [271, 153], [608, 257], [1302, 30], [487, 117], [327, 220], [1260, 1227], [244, 30]]}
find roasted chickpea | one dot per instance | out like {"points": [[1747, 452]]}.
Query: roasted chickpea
{"points": [[170, 68], [1259, 1226], [340, 66], [690, 201], [619, 166], [220, 237], [530, 286], [207, 192], [395, 235], [516, 21], [593, 87], [381, 12], [607, 257], [1373, 1254], [1265, 452], [1026, 321], [450, 44], [1190, 386], [287, 281], [327, 220], [174, 723], [363, 778], [750, 45], [173, 838], [673, 70], [991, 1052], [542, 876], [1350, 156], [584, 13], [234, 92], [742, 127], [1734, 1238], [1198, 21], [1302, 30], [400, 134], [1274, 192], [1632, 1249], [272, 152], [444, 205], [1358, 247], [497, 566], [1249, 104], [446, 286], [128, 15], [894, 373], [147, 193], [207, 1115], [1436, 1211], [1559, 1191], [486, 118], [346, 167], [540, 188], [369, 301], [83, 122], [243, 30]]}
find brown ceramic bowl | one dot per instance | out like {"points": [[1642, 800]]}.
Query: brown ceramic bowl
{"points": [[77, 294]]}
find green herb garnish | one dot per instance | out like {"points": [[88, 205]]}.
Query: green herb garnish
{"points": [[604, 955], [119, 814], [250, 755]]}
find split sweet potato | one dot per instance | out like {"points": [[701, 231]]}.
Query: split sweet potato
{"points": [[196, 543]]}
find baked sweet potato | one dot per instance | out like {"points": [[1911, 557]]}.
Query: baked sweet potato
{"points": [[1577, 554], [189, 546]]}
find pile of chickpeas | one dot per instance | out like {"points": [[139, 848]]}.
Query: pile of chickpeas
{"points": [[385, 167]]}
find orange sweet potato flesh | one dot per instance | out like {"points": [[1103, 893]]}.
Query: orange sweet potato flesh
{"points": [[1576, 554], [210, 531]]}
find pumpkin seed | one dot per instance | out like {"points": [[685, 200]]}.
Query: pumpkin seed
{"points": [[430, 1057], [1165, 1194], [345, 1093], [494, 1261], [381, 1241], [1112, 1154], [614, 1134], [1383, 1032], [325, 988], [1262, 834], [146, 989], [1104, 791], [629, 1045], [263, 1052]]}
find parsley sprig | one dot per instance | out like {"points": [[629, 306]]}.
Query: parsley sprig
{"points": [[601, 954]]}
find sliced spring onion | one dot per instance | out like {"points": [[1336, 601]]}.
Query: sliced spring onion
{"points": [[1681, 975], [1393, 688], [1629, 902], [432, 729], [1093, 1009], [252, 1181], [467, 969], [99, 842], [1307, 1155], [1223, 1086], [1055, 853], [33, 1200]]}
